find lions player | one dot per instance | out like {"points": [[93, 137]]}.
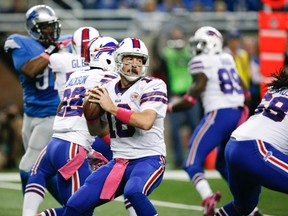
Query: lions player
{"points": [[256, 153], [30, 57], [71, 140], [216, 81]]}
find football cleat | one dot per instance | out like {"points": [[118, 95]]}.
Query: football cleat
{"points": [[210, 203]]}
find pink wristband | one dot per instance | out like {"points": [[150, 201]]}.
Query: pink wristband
{"points": [[190, 99], [169, 107], [124, 115], [45, 55], [106, 139], [93, 121], [247, 94]]}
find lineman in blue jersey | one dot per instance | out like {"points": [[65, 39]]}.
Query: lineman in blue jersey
{"points": [[135, 109], [71, 140], [30, 57], [216, 81], [257, 152]]}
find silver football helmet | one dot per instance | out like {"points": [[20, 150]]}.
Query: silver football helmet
{"points": [[99, 53], [206, 40], [131, 47], [38, 18], [81, 38]]}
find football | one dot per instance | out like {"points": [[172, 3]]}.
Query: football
{"points": [[92, 111]]}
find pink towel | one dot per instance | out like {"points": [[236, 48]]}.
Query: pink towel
{"points": [[113, 179], [74, 164]]}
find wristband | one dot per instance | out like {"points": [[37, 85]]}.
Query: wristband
{"points": [[93, 121], [106, 139], [45, 55], [247, 94], [170, 107], [124, 115], [190, 99]]}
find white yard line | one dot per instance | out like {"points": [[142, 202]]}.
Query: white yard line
{"points": [[179, 175]]}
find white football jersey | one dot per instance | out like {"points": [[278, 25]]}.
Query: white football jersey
{"points": [[63, 65], [223, 88], [269, 123], [70, 123], [131, 142]]}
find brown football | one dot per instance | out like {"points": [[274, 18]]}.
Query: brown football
{"points": [[92, 111]]}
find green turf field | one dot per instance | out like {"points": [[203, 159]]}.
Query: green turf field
{"points": [[171, 198]]}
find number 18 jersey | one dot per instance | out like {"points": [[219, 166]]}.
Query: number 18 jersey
{"points": [[130, 142], [223, 88]]}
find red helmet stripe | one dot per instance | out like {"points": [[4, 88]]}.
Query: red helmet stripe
{"points": [[136, 43], [85, 40]]}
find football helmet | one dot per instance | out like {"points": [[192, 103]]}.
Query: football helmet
{"points": [[131, 47], [99, 53], [39, 17], [207, 40], [81, 38]]}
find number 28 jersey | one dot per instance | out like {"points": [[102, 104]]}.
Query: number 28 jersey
{"points": [[223, 88], [130, 142]]}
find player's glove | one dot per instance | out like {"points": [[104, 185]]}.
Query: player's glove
{"points": [[96, 159], [53, 48]]}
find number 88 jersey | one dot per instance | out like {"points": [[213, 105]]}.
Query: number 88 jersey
{"points": [[223, 88]]}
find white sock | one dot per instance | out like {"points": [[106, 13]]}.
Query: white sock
{"points": [[255, 210], [31, 203], [131, 211], [203, 188]]}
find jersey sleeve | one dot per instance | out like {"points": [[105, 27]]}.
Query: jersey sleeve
{"points": [[15, 45], [200, 64], [154, 96]]}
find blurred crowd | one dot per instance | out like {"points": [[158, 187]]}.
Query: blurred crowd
{"points": [[10, 135], [146, 5]]}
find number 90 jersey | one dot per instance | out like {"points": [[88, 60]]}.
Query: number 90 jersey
{"points": [[269, 123], [130, 142], [223, 88]]}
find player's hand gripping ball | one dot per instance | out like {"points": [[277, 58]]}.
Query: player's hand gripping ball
{"points": [[92, 110]]}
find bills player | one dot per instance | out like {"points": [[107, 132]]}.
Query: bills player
{"points": [[30, 56], [65, 63], [262, 141], [65, 154], [216, 81], [135, 109]]}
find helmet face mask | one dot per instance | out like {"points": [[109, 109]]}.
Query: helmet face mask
{"points": [[99, 53], [207, 40], [81, 38], [131, 47], [42, 24]]}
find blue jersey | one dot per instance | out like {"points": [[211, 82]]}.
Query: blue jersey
{"points": [[40, 98]]}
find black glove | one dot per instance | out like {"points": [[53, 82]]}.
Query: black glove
{"points": [[53, 48]]}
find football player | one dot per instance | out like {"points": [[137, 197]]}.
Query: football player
{"points": [[65, 63], [256, 153], [216, 81], [30, 57]]}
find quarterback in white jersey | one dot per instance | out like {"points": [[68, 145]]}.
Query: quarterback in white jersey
{"points": [[217, 83], [257, 151], [65, 63], [135, 109]]}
